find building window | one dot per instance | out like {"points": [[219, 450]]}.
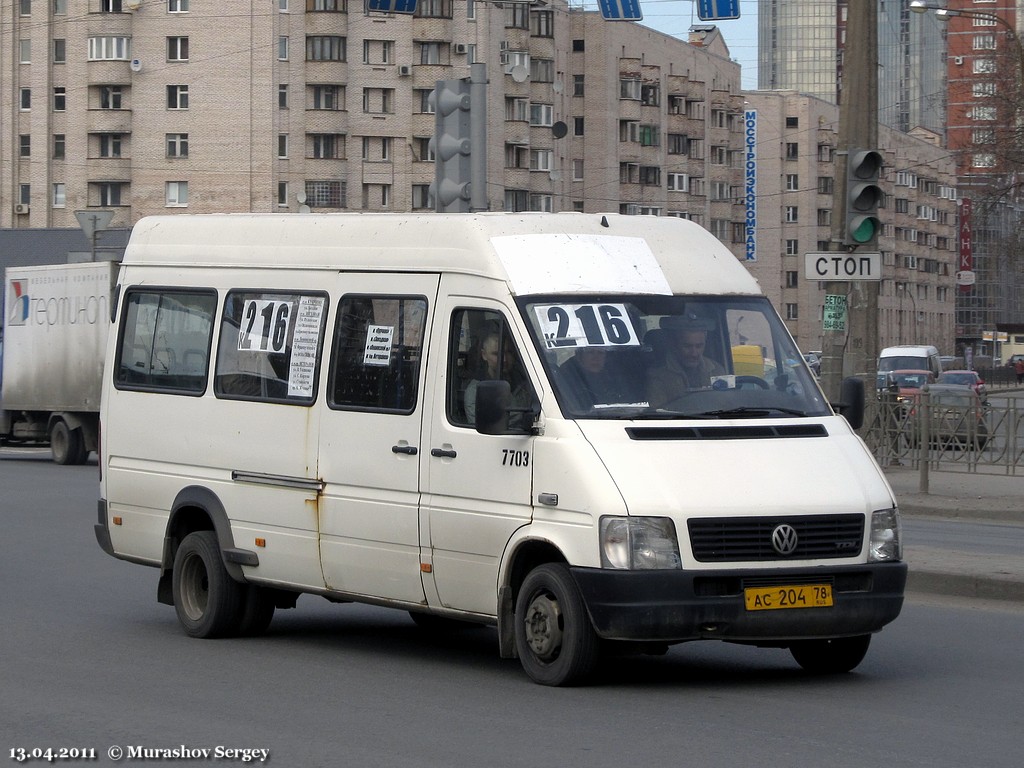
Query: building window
{"points": [[177, 6], [650, 95], [421, 197], [282, 194], [325, 48], [791, 214], [24, 145], [326, 97], [282, 48], [325, 6], [110, 97], [60, 7], [678, 182], [326, 146], [541, 159], [577, 170], [792, 150], [542, 23], [59, 51], [577, 126], [792, 182], [59, 195], [434, 9], [110, 144], [421, 101], [791, 278], [282, 97], [824, 217], [792, 122], [517, 16], [376, 149], [60, 102], [58, 146], [25, 99], [176, 194], [25, 193], [985, 42], [177, 49], [378, 51], [325, 194], [792, 247], [577, 85], [177, 145], [110, 6], [110, 48], [378, 101], [376, 197], [541, 114], [792, 312], [629, 88], [108, 193], [826, 185], [177, 97], [542, 70], [282, 146]]}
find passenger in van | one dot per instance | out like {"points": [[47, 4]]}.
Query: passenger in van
{"points": [[510, 369], [685, 366], [592, 377]]}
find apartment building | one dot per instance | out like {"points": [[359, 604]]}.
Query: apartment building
{"points": [[155, 106], [796, 206]]}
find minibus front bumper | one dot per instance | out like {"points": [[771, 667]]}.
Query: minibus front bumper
{"points": [[676, 605]]}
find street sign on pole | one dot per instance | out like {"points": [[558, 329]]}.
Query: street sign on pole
{"points": [[834, 316], [621, 10], [718, 10], [836, 265]]}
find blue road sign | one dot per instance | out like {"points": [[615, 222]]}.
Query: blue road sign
{"points": [[621, 10], [392, 6], [718, 10]]}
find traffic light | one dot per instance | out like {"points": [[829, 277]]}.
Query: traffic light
{"points": [[863, 197], [451, 146]]}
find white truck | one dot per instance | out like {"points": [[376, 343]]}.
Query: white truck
{"points": [[56, 319]]}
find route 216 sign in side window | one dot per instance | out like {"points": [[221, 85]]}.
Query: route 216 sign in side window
{"points": [[585, 325]]}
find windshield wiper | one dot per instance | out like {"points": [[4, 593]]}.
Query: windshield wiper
{"points": [[750, 412]]}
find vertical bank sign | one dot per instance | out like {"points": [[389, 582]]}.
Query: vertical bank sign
{"points": [[750, 181], [965, 265]]}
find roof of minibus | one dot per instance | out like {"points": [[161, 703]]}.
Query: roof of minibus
{"points": [[533, 252]]}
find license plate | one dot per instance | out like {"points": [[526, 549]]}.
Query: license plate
{"points": [[797, 596]]}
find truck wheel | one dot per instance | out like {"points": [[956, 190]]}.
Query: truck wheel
{"points": [[555, 641], [831, 657], [66, 444], [208, 601], [257, 611]]}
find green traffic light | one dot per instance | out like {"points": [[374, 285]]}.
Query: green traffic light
{"points": [[863, 229]]}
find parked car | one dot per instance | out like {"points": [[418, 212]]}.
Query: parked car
{"points": [[908, 383], [957, 417], [813, 362], [970, 379]]}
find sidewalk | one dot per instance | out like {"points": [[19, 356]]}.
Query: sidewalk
{"points": [[996, 498]]}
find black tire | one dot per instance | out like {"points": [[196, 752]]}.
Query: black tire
{"points": [[208, 601], [257, 611], [66, 445], [831, 657], [555, 641]]}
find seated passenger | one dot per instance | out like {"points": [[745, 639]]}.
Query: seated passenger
{"points": [[685, 367], [591, 378]]}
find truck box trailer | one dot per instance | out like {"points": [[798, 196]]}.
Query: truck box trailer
{"points": [[56, 319]]}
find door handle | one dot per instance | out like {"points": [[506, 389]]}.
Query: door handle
{"points": [[443, 453], [409, 449]]}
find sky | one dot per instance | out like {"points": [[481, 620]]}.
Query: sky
{"points": [[675, 17]]}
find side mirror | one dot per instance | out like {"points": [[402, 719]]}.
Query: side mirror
{"points": [[851, 404]]}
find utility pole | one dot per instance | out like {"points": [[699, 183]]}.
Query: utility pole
{"points": [[854, 350]]}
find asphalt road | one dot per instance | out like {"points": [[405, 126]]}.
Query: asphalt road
{"points": [[91, 660]]}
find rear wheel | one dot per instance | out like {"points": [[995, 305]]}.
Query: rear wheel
{"points": [[831, 657], [66, 444], [554, 638], [208, 601]]}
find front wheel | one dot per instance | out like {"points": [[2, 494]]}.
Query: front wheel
{"points": [[831, 657], [208, 601], [554, 638]]}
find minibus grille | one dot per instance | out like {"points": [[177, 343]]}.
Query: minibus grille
{"points": [[728, 539]]}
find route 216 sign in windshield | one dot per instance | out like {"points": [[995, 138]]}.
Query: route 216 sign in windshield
{"points": [[586, 325]]}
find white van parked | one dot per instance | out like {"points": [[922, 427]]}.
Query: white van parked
{"points": [[580, 428], [910, 357]]}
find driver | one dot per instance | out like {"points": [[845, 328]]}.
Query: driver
{"points": [[685, 365]]}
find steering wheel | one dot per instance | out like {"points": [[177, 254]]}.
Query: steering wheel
{"points": [[756, 380]]}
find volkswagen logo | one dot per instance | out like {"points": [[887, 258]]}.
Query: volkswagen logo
{"points": [[784, 539]]}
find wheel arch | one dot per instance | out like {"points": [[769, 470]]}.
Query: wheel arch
{"points": [[524, 556], [196, 508]]}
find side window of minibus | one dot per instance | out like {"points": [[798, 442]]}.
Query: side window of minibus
{"points": [[378, 353], [165, 339], [269, 346]]}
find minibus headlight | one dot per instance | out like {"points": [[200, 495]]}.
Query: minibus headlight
{"points": [[638, 543], [886, 543]]}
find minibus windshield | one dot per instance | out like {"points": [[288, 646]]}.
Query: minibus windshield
{"points": [[670, 357]]}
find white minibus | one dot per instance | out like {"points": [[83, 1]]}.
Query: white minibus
{"points": [[589, 431]]}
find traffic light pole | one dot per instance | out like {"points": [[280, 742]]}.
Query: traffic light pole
{"points": [[855, 350], [478, 137]]}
